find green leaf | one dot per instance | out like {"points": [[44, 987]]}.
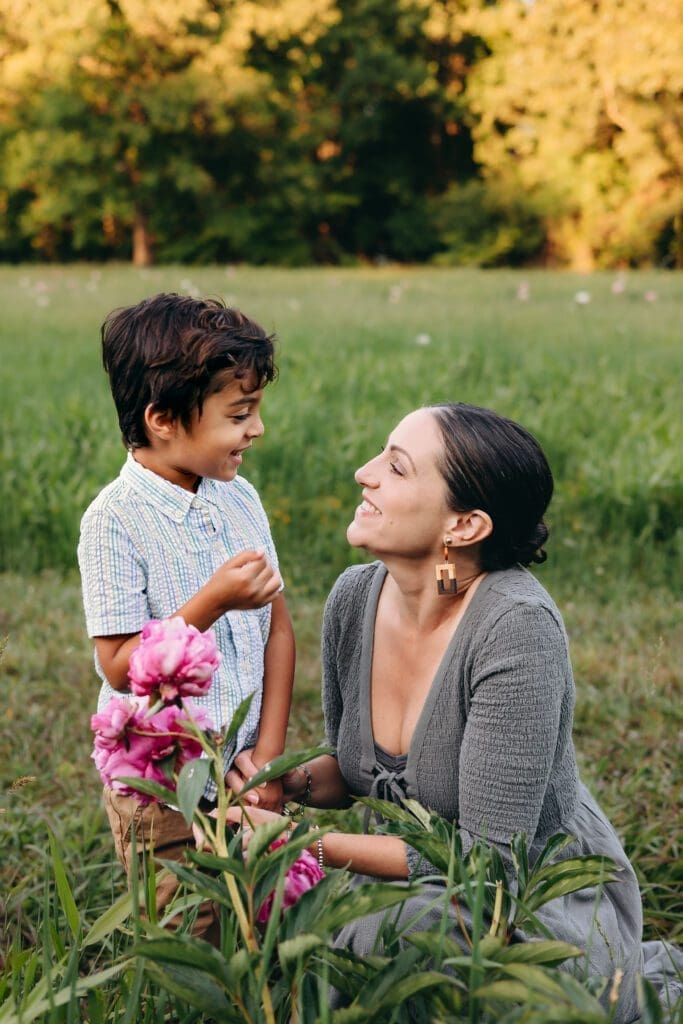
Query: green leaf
{"points": [[602, 868], [110, 920], [365, 899], [64, 890], [208, 887], [264, 835], [538, 979], [520, 859], [299, 948], [393, 812], [194, 986], [549, 951], [191, 783], [279, 765], [238, 718], [554, 845], [187, 951], [161, 793]]}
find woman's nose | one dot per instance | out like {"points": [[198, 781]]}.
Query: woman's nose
{"points": [[364, 475]]}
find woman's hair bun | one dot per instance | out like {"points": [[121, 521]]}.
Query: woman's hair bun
{"points": [[532, 550]]}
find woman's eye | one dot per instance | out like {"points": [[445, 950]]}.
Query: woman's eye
{"points": [[395, 468]]}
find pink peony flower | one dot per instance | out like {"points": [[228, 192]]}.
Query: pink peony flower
{"points": [[131, 743], [173, 658], [302, 876]]}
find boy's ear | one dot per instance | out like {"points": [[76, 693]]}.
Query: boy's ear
{"points": [[470, 527], [159, 423]]}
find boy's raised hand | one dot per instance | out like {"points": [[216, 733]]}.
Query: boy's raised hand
{"points": [[245, 581]]}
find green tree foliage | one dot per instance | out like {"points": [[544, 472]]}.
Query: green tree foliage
{"points": [[126, 117], [580, 106], [326, 130]]}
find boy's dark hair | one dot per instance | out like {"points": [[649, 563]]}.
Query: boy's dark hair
{"points": [[492, 463], [172, 351]]}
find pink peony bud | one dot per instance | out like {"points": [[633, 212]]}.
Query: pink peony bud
{"points": [[302, 876]]}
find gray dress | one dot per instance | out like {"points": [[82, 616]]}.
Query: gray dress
{"points": [[492, 750]]}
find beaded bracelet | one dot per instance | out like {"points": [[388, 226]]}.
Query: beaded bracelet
{"points": [[306, 795], [319, 845]]}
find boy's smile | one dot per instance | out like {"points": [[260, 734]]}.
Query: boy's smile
{"points": [[214, 444]]}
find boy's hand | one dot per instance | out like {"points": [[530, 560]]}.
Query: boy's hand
{"points": [[245, 581], [269, 795]]}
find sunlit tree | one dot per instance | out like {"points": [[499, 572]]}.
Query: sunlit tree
{"points": [[580, 105]]}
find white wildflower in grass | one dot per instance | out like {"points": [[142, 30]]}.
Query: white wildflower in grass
{"points": [[619, 285], [582, 298], [186, 285], [395, 293], [422, 339], [523, 291], [294, 305], [42, 300], [650, 295]]}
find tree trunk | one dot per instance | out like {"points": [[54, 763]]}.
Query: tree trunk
{"points": [[143, 243]]}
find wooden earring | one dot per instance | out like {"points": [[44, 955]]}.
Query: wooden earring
{"points": [[446, 583]]}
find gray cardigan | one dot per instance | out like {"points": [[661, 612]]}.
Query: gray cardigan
{"points": [[492, 748]]}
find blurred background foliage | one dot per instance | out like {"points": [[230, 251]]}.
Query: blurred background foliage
{"points": [[331, 131]]}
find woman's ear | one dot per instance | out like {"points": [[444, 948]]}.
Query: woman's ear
{"points": [[159, 423], [470, 528]]}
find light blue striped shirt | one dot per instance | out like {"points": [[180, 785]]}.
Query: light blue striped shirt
{"points": [[147, 546]]}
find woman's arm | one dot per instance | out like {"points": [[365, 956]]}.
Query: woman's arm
{"points": [[518, 722], [379, 856], [327, 784]]}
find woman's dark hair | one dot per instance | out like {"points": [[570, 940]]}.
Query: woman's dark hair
{"points": [[493, 464], [173, 351]]}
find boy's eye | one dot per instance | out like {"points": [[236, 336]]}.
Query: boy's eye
{"points": [[240, 417]]}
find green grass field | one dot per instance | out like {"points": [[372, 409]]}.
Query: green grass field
{"points": [[598, 383]]}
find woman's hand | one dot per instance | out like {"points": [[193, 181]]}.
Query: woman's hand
{"points": [[250, 818]]}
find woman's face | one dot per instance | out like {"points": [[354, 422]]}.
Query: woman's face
{"points": [[404, 510]]}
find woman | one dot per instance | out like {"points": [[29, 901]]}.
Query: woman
{"points": [[446, 674]]}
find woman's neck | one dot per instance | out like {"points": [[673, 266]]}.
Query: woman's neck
{"points": [[410, 589]]}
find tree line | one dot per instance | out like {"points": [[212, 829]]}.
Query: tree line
{"points": [[299, 131]]}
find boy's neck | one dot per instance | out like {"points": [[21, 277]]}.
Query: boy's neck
{"points": [[151, 460]]}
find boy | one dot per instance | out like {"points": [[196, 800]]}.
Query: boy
{"points": [[180, 533]]}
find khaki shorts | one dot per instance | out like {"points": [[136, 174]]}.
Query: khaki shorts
{"points": [[165, 830]]}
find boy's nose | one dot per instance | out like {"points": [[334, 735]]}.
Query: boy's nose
{"points": [[256, 427]]}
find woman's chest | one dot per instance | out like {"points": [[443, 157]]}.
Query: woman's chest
{"points": [[404, 671]]}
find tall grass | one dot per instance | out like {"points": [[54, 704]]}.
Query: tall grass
{"points": [[598, 383]]}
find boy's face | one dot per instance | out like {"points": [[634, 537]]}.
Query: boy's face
{"points": [[214, 444]]}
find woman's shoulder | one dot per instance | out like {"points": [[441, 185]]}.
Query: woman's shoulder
{"points": [[517, 590], [350, 590]]}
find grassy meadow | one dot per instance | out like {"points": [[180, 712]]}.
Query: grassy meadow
{"points": [[598, 382]]}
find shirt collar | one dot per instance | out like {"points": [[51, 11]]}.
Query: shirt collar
{"points": [[171, 499]]}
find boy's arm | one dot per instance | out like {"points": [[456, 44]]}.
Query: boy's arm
{"points": [[243, 582], [278, 678]]}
